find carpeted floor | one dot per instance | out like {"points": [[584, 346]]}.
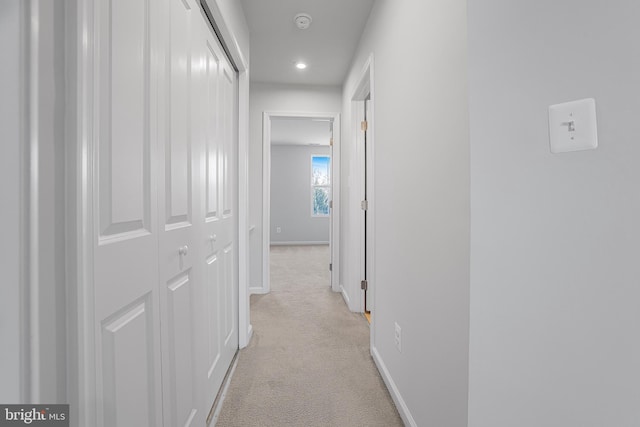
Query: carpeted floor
{"points": [[308, 363]]}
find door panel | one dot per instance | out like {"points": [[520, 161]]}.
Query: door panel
{"points": [[211, 118], [213, 311], [124, 128], [125, 309], [124, 136], [227, 301], [178, 235], [227, 138], [220, 259], [178, 154], [181, 359], [124, 352]]}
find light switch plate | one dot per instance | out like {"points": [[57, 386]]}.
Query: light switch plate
{"points": [[572, 126]]}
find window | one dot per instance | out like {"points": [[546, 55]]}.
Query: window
{"points": [[320, 185]]}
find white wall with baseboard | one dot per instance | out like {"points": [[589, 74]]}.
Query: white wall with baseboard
{"points": [[291, 196], [421, 170]]}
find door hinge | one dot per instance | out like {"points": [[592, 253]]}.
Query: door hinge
{"points": [[364, 205], [364, 285], [330, 204], [331, 142], [364, 125], [330, 266]]}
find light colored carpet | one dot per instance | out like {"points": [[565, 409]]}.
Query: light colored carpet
{"points": [[308, 363]]}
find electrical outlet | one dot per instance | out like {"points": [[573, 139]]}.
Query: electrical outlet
{"points": [[278, 230], [398, 337]]}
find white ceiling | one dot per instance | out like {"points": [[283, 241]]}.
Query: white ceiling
{"points": [[300, 131], [327, 46]]}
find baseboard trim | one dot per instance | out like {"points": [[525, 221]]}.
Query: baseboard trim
{"points": [[403, 410], [249, 335], [214, 413], [345, 296], [299, 243], [259, 290]]}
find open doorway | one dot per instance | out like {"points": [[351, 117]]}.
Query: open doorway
{"points": [[301, 186], [300, 181]]}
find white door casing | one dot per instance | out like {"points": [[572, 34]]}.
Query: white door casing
{"points": [[331, 211], [365, 90], [368, 196], [360, 191], [221, 14], [266, 193]]}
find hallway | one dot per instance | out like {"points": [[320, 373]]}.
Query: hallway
{"points": [[308, 363], [503, 272]]}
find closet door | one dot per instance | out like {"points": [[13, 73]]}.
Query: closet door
{"points": [[123, 297], [220, 214], [181, 283], [161, 324]]}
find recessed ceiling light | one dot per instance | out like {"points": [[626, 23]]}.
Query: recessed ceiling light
{"points": [[301, 65]]}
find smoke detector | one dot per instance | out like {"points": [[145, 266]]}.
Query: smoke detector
{"points": [[302, 20]]}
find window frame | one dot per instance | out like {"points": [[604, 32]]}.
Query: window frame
{"points": [[313, 187]]}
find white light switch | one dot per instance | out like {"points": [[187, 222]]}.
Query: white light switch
{"points": [[572, 126]]}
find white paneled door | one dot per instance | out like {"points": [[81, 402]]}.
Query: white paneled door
{"points": [[127, 354], [165, 269], [180, 278], [219, 107]]}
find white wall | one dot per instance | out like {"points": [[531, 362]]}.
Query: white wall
{"points": [[291, 196], [421, 170], [10, 194], [276, 98], [555, 324]]}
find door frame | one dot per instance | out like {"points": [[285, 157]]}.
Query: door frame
{"points": [[267, 117], [364, 90], [224, 31]]}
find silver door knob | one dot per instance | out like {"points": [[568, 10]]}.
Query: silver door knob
{"points": [[213, 237], [183, 250]]}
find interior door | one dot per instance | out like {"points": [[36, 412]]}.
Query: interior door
{"points": [[365, 207], [125, 303], [331, 219], [181, 284], [164, 323], [368, 303], [220, 221]]}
